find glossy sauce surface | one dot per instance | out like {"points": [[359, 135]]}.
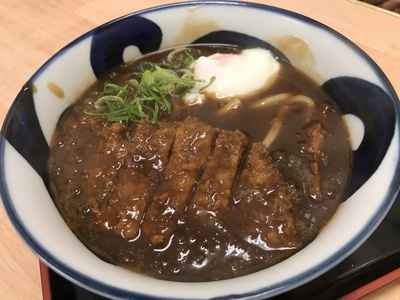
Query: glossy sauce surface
{"points": [[92, 161]]}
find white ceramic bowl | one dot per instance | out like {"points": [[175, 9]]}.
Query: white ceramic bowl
{"points": [[345, 72]]}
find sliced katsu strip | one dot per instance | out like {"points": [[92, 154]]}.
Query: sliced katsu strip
{"points": [[110, 153], [138, 178], [315, 140], [107, 149], [192, 146], [213, 194], [270, 220]]}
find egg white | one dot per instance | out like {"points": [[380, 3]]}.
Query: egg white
{"points": [[236, 75]]}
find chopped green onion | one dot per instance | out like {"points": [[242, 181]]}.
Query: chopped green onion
{"points": [[149, 97]]}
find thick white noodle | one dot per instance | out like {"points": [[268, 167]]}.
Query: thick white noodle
{"points": [[277, 121]]}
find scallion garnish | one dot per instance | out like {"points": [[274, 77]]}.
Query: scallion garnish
{"points": [[148, 94]]}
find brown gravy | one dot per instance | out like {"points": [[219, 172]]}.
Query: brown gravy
{"points": [[88, 156]]}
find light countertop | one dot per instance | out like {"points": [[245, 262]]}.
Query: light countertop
{"points": [[31, 31]]}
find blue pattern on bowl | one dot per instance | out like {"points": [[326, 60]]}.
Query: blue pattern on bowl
{"points": [[378, 117], [108, 43], [22, 130], [238, 39]]}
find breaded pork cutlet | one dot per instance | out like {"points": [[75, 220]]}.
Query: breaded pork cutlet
{"points": [[262, 199], [212, 197], [192, 146], [138, 177]]}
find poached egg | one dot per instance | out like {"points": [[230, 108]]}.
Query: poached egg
{"points": [[236, 75]]}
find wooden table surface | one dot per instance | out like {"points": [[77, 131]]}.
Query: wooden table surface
{"points": [[31, 31]]}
